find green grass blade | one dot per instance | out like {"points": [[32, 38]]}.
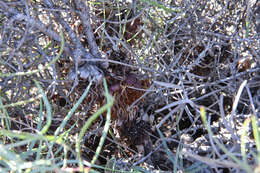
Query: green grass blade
{"points": [[110, 100], [86, 126], [71, 112], [43, 68], [5, 121], [168, 152], [158, 5], [244, 166], [48, 108], [243, 139], [256, 136]]}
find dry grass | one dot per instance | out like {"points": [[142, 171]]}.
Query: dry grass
{"points": [[184, 77]]}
